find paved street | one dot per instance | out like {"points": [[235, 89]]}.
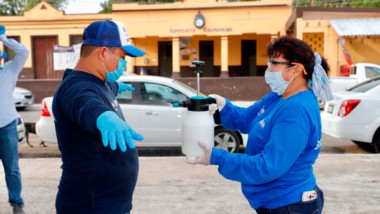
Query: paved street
{"points": [[167, 185], [349, 175]]}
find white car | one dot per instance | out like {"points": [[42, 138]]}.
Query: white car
{"points": [[355, 114], [20, 130], [149, 110], [22, 98]]}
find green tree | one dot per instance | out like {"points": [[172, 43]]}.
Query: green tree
{"points": [[107, 4], [337, 3], [17, 7]]}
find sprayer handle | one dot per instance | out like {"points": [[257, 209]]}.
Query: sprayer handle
{"points": [[217, 119]]}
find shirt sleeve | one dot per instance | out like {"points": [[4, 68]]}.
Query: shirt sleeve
{"points": [[286, 144], [82, 106], [15, 65], [239, 118]]}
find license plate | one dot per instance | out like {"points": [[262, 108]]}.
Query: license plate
{"points": [[330, 109]]}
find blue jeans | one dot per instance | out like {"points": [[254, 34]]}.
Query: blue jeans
{"points": [[9, 157], [311, 207]]}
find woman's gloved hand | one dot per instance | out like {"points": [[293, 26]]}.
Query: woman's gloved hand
{"points": [[124, 87], [205, 158], [115, 130], [220, 103]]}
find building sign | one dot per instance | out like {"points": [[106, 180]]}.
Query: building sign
{"points": [[205, 30], [66, 57], [217, 30], [182, 30]]}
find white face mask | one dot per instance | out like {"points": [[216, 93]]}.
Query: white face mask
{"points": [[276, 82]]}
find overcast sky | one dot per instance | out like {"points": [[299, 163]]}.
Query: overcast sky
{"points": [[83, 6]]}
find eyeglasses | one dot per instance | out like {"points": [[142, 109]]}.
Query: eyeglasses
{"points": [[273, 62], [123, 57]]}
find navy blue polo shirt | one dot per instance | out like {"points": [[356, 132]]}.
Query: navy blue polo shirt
{"points": [[94, 179]]}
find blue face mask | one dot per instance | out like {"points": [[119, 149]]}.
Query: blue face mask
{"points": [[115, 75], [276, 82]]}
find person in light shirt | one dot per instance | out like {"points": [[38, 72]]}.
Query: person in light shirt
{"points": [[9, 118]]}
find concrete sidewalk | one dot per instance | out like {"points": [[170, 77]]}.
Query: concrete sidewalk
{"points": [[168, 185]]}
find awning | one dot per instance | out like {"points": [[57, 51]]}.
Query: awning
{"points": [[356, 27]]}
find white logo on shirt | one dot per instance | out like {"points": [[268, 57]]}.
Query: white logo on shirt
{"points": [[318, 145], [262, 123], [261, 111], [115, 105]]}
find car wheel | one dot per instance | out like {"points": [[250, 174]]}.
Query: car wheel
{"points": [[376, 141], [227, 139]]}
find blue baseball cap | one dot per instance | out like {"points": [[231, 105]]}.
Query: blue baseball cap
{"points": [[110, 34]]}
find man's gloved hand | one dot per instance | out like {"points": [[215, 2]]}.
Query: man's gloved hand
{"points": [[220, 103], [113, 129], [2, 30], [124, 87], [205, 158]]}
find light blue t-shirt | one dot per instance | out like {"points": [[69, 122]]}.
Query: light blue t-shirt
{"points": [[8, 79], [284, 142]]}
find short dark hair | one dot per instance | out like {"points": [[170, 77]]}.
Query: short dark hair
{"points": [[86, 50], [295, 50]]}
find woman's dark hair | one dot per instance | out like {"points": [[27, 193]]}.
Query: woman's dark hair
{"points": [[295, 50], [325, 65]]}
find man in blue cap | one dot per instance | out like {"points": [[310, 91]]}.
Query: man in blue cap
{"points": [[100, 162], [8, 119]]}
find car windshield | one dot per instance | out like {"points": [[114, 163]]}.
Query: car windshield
{"points": [[366, 86], [186, 87]]}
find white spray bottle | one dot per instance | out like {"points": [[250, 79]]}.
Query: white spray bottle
{"points": [[198, 124]]}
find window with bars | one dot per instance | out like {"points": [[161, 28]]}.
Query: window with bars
{"points": [[316, 41]]}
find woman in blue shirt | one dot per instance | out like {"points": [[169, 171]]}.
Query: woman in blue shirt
{"points": [[284, 129]]}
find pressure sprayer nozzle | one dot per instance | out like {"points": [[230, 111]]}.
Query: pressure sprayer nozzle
{"points": [[198, 71]]}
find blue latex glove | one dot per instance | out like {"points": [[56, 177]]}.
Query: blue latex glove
{"points": [[4, 55], [124, 87], [113, 129], [2, 30]]}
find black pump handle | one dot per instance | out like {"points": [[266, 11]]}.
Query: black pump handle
{"points": [[198, 65]]}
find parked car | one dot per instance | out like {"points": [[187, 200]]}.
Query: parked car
{"points": [[150, 111], [20, 130], [22, 98], [359, 73], [355, 114]]}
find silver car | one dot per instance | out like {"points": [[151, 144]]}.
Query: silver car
{"points": [[150, 111], [20, 130], [22, 98]]}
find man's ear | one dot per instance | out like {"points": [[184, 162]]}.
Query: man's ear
{"points": [[101, 53]]}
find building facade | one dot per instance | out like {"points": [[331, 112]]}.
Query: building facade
{"points": [[321, 28], [231, 37]]}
